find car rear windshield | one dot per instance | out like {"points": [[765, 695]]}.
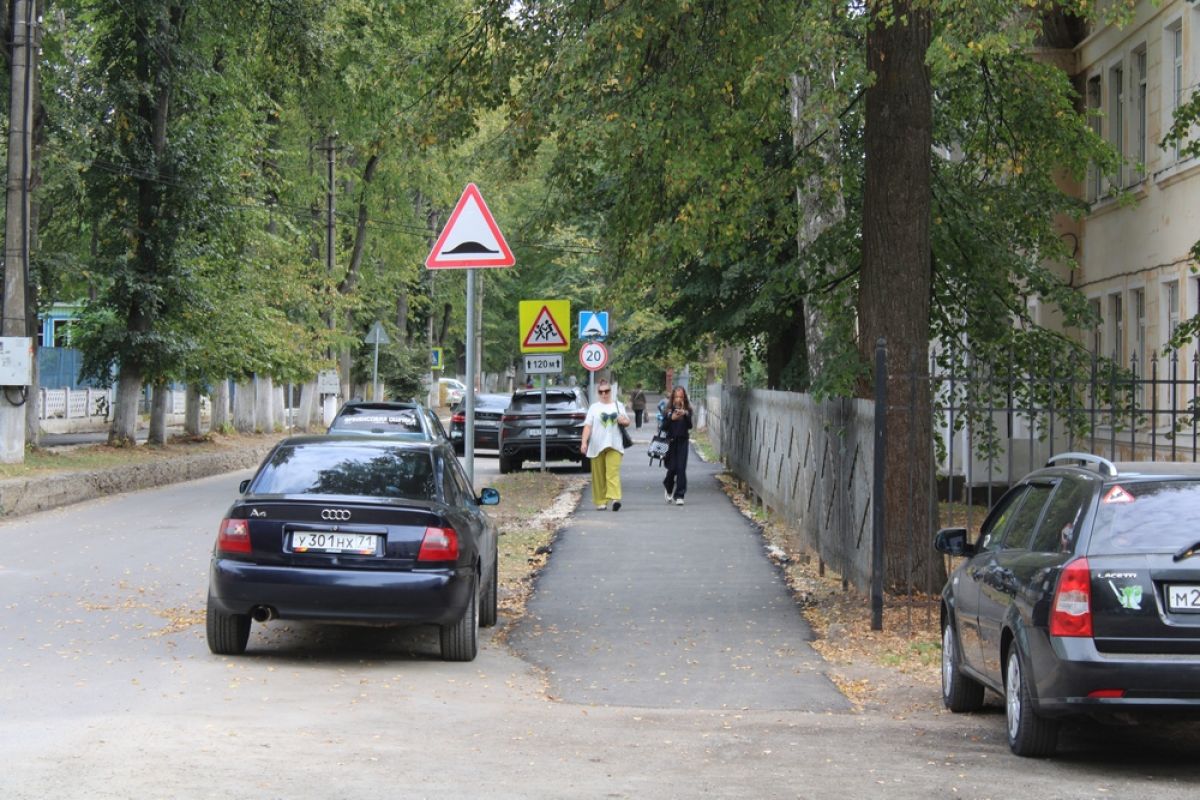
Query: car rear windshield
{"points": [[1150, 517], [376, 420], [390, 472], [555, 401]]}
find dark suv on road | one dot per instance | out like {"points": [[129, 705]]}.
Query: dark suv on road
{"points": [[521, 427], [1081, 595]]}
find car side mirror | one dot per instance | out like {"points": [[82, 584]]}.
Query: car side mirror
{"points": [[953, 542], [489, 496], [243, 486]]}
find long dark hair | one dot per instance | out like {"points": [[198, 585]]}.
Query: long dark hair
{"points": [[687, 404]]}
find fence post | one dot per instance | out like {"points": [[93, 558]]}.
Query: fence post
{"points": [[877, 503]]}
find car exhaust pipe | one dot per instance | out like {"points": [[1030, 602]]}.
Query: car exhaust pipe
{"points": [[262, 613]]}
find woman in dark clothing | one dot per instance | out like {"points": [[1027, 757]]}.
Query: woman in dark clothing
{"points": [[677, 422]]}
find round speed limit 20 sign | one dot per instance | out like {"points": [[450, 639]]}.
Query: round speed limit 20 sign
{"points": [[593, 356]]}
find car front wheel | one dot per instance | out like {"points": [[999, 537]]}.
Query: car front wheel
{"points": [[1029, 734], [227, 633], [959, 693], [460, 640]]}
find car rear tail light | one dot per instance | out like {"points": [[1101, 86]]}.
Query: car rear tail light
{"points": [[459, 417], [1071, 613], [234, 536], [1107, 694], [579, 416], [439, 544]]}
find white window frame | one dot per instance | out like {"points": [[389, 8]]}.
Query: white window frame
{"points": [[1139, 77], [1174, 77], [1116, 327], [1097, 333], [1115, 91], [1138, 307], [1169, 319], [1093, 100]]}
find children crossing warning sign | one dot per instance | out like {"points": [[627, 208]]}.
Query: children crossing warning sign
{"points": [[542, 330]]}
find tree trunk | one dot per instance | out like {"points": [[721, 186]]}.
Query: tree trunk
{"points": [[191, 411], [308, 405], [220, 406], [160, 406], [895, 285], [264, 415], [243, 407], [123, 431]]}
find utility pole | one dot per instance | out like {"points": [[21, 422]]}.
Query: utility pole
{"points": [[16, 231]]}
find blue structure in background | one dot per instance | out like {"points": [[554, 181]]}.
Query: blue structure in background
{"points": [[58, 362]]}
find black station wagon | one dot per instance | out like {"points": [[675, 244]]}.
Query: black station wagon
{"points": [[1081, 596]]}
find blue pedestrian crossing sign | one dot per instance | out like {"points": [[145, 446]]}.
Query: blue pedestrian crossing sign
{"points": [[593, 324]]}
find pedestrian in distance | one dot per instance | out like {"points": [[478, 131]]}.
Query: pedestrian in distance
{"points": [[637, 401], [677, 422], [602, 445]]}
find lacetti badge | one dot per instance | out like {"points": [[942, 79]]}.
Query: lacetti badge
{"points": [[1128, 596]]}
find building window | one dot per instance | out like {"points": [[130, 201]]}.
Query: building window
{"points": [[1139, 340], [1117, 320], [1139, 112], [1095, 179], [1175, 53], [62, 332], [1116, 120], [1097, 328]]}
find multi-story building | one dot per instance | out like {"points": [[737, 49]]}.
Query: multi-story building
{"points": [[1136, 267]]}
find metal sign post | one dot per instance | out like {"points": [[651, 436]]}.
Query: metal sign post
{"points": [[469, 397], [377, 336]]}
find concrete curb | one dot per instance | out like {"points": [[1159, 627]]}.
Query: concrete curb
{"points": [[19, 496]]}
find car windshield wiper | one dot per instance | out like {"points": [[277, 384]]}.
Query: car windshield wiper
{"points": [[1188, 552]]}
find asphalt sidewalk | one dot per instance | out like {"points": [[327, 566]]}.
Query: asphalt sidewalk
{"points": [[670, 606]]}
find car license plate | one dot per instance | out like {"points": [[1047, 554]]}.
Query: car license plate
{"points": [[538, 432], [365, 544], [1183, 597]]}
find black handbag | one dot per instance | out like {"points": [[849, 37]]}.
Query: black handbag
{"points": [[626, 439], [658, 448]]}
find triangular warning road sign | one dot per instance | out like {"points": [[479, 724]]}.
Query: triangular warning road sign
{"points": [[544, 332], [471, 237]]}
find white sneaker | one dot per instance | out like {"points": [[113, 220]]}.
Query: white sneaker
{"points": [[678, 501], [667, 495]]}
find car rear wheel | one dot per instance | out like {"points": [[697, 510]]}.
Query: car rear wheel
{"points": [[959, 693], [460, 641], [1028, 733], [227, 633], [490, 604]]}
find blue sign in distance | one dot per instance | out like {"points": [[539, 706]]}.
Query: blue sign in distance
{"points": [[593, 324]]}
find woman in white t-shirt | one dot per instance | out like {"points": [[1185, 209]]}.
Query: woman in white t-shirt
{"points": [[602, 444]]}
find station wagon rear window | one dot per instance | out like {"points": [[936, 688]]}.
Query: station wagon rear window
{"points": [[343, 470], [1150, 517], [377, 421]]}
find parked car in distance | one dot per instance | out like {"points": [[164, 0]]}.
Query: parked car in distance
{"points": [[521, 427], [1081, 596], [388, 418], [489, 408], [356, 530], [456, 390]]}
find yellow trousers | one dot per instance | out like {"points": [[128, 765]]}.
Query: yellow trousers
{"points": [[606, 477]]}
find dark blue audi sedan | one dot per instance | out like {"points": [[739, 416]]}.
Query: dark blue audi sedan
{"points": [[356, 530], [1081, 596]]}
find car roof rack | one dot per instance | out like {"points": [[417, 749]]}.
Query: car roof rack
{"points": [[1103, 465]]}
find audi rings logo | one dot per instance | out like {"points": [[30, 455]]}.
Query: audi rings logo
{"points": [[335, 514]]}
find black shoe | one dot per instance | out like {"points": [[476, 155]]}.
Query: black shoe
{"points": [[616, 505]]}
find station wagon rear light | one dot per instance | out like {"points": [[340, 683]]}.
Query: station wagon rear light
{"points": [[459, 417], [234, 536], [1071, 613], [1107, 694], [439, 544]]}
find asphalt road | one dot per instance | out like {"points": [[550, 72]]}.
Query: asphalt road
{"points": [[107, 690]]}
